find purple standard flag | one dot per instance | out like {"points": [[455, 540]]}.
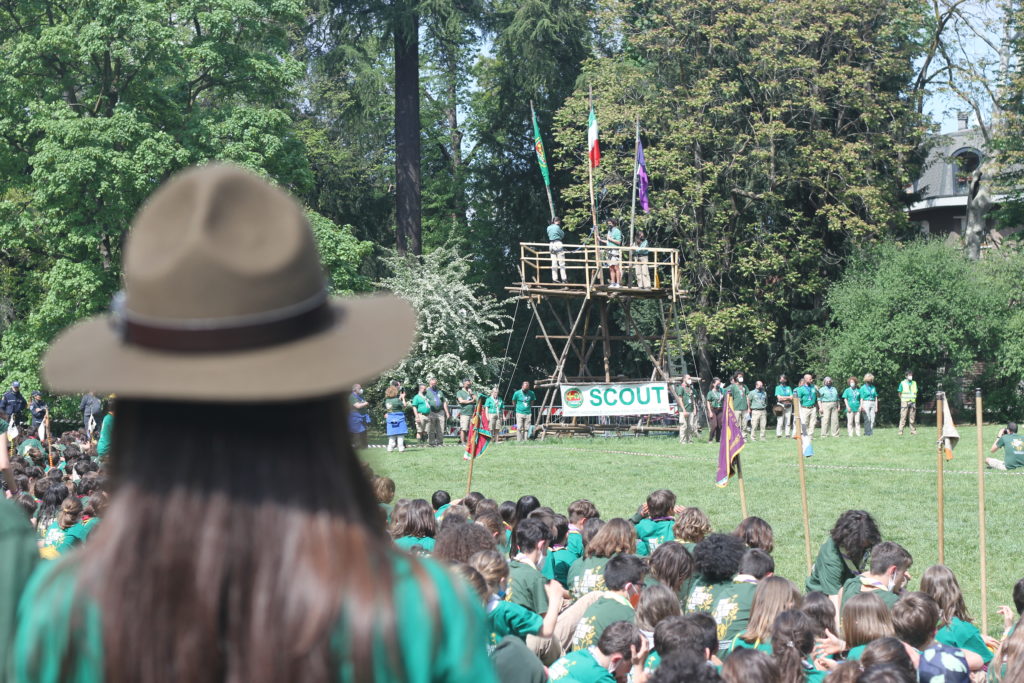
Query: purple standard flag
{"points": [[643, 182], [730, 447]]}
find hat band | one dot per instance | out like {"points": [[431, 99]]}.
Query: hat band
{"points": [[232, 338]]}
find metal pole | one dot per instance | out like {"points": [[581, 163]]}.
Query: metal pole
{"points": [[981, 513]]}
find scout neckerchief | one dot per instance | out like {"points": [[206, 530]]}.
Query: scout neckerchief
{"points": [[871, 583], [521, 557], [744, 578]]}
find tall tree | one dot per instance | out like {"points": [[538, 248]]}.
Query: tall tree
{"points": [[776, 134]]}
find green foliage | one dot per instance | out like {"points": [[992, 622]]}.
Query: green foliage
{"points": [[926, 307], [777, 136], [456, 321]]}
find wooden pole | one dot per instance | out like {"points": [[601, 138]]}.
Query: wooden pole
{"points": [[636, 165], [803, 487], [547, 188], [981, 513], [743, 491], [939, 492], [593, 203], [470, 446]]}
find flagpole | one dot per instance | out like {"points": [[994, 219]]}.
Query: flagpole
{"points": [[593, 204], [547, 187], [939, 492], [803, 488], [743, 491], [470, 447], [981, 513]]}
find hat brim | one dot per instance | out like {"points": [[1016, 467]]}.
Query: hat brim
{"points": [[367, 336]]}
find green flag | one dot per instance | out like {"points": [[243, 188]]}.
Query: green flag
{"points": [[538, 144]]}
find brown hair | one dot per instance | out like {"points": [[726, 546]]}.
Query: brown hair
{"points": [[492, 565], [822, 611], [692, 526], [661, 503], [866, 617], [582, 509], [915, 618], [889, 650], [1010, 656], [940, 583], [417, 521], [756, 533], [750, 666], [774, 595], [473, 578], [792, 642], [458, 542], [671, 564], [70, 512], [492, 522], [657, 602], [391, 391], [384, 489], [240, 615], [617, 536]]}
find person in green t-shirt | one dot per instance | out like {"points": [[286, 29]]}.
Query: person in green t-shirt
{"points": [[828, 408], [851, 401], [467, 404], [624, 576], [842, 556], [622, 649], [715, 398], [438, 415], [655, 522], [784, 399], [524, 400], [738, 391], [613, 239], [19, 556], [1013, 449], [685, 401], [510, 618], [955, 628], [643, 255], [421, 413], [886, 575], [868, 403], [557, 249], [495, 408], [757, 403], [807, 395]]}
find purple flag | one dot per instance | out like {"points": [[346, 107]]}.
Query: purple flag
{"points": [[732, 444], [642, 180]]}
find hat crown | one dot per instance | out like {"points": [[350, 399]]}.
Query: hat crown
{"points": [[218, 245]]}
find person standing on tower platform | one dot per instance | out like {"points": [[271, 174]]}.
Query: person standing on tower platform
{"points": [[641, 269], [758, 402], [908, 402], [614, 254], [828, 405], [557, 249], [784, 398]]}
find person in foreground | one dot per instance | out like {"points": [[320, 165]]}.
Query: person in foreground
{"points": [[222, 558]]}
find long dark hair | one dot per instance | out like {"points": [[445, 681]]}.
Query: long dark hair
{"points": [[274, 534]]}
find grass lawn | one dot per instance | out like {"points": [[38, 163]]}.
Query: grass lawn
{"points": [[891, 476]]}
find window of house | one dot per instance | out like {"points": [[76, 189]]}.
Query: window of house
{"points": [[965, 162]]}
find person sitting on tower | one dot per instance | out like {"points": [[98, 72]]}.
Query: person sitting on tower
{"points": [[614, 242], [557, 249]]}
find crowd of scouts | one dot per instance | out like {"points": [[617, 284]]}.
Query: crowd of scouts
{"points": [[663, 597]]}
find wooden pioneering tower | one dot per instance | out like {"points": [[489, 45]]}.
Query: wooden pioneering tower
{"points": [[575, 318]]}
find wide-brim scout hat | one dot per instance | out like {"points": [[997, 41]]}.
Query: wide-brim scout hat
{"points": [[225, 300]]}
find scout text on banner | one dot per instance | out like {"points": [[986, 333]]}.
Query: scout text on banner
{"points": [[583, 400]]}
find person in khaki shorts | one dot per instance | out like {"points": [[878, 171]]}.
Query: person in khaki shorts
{"points": [[494, 407], [807, 394], [467, 403], [757, 399], [557, 249], [421, 413], [828, 404], [524, 400], [642, 268], [687, 410]]}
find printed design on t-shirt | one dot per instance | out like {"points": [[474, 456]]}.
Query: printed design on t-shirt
{"points": [[586, 633], [560, 669], [700, 599], [1018, 445], [725, 613], [590, 580]]}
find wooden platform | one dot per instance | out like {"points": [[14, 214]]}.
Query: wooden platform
{"points": [[575, 290]]}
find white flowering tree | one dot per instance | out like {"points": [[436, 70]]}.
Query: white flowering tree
{"points": [[460, 330]]}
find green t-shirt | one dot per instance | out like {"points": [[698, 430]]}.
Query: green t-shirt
{"points": [[1013, 448], [783, 391], [739, 396], [966, 636], [419, 402], [855, 586], [868, 392], [524, 400], [651, 533], [30, 443], [686, 397], [106, 435], [506, 618], [608, 609], [574, 543], [758, 399], [580, 667], [555, 232], [856, 653], [19, 555], [465, 408], [493, 406], [353, 399], [77, 535], [394, 405], [526, 587], [55, 643], [808, 396], [556, 565], [830, 570], [729, 603], [852, 396], [715, 397], [513, 661], [585, 575], [614, 238], [415, 545], [738, 643], [828, 394]]}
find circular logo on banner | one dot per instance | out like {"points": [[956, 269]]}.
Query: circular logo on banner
{"points": [[573, 397]]}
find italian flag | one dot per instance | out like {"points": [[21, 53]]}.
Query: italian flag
{"points": [[594, 149]]}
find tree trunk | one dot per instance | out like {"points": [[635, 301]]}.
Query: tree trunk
{"points": [[408, 217], [979, 201]]}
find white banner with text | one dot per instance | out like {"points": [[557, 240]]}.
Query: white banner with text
{"points": [[584, 400]]}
